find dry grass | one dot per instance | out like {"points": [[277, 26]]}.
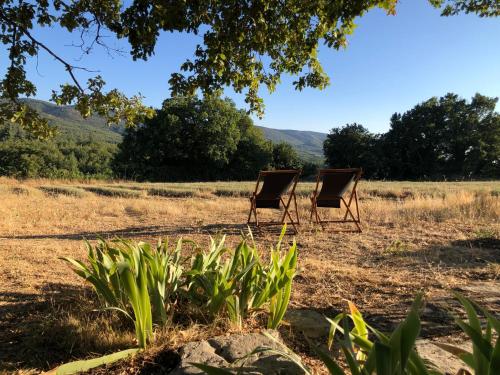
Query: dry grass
{"points": [[417, 236]]}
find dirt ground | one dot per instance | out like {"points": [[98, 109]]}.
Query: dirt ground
{"points": [[432, 244]]}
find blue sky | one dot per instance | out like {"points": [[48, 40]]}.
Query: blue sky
{"points": [[391, 64]]}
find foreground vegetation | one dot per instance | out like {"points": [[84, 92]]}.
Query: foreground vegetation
{"points": [[430, 237], [143, 282], [395, 352]]}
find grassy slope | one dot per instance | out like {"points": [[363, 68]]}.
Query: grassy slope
{"points": [[309, 144], [71, 123]]}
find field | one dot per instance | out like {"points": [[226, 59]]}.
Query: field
{"points": [[417, 236]]}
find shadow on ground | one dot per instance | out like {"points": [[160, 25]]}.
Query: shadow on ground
{"points": [[145, 231], [478, 257], [37, 331]]}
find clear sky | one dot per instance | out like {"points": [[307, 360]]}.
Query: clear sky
{"points": [[391, 64]]}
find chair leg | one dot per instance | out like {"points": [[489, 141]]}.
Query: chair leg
{"points": [[291, 220], [296, 209], [357, 206], [312, 212], [318, 218], [250, 212], [353, 218], [346, 211], [287, 213]]}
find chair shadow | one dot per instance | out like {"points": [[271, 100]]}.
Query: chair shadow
{"points": [[36, 332], [158, 230]]}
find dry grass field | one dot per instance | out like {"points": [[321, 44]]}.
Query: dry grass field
{"points": [[429, 237]]}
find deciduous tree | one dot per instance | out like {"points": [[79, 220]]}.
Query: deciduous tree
{"points": [[245, 45]]}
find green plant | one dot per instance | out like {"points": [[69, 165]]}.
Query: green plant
{"points": [[63, 190], [485, 356], [85, 365], [142, 281], [390, 354], [101, 272], [242, 282], [114, 192], [135, 279], [216, 284], [164, 277], [277, 285]]}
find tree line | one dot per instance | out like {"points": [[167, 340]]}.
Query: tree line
{"points": [[200, 139], [447, 137], [211, 139], [188, 139], [24, 156]]}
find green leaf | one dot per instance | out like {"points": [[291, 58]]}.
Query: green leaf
{"points": [[85, 365]]}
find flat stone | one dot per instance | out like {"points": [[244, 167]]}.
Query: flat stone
{"points": [[483, 288], [197, 352], [228, 352], [444, 362], [310, 322]]}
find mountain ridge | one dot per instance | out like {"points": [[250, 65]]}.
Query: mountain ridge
{"points": [[309, 144]]}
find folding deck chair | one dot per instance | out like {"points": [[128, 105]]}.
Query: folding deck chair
{"points": [[275, 184], [335, 183]]}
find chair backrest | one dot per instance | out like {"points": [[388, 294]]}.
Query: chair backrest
{"points": [[276, 183], [335, 182]]}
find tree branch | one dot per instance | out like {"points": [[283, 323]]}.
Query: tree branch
{"points": [[69, 67]]}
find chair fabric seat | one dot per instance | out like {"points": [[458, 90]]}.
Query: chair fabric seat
{"points": [[276, 184], [267, 203], [333, 202], [273, 188], [335, 183]]}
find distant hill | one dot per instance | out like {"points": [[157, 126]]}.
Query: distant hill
{"points": [[307, 143], [71, 124]]}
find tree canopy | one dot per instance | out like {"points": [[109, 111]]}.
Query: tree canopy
{"points": [[353, 146], [246, 45], [194, 139], [24, 156], [445, 137]]}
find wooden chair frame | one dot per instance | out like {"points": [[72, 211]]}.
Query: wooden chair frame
{"points": [[352, 197], [291, 195]]}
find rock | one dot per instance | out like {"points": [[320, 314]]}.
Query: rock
{"points": [[226, 351], [488, 291], [198, 352], [310, 322], [445, 362]]}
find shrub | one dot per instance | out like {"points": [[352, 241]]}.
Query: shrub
{"points": [[63, 190], [142, 281], [485, 356], [171, 193], [135, 279], [113, 192], [243, 282]]}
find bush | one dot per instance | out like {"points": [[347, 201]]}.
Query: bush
{"points": [[114, 192], [63, 190], [242, 283], [171, 193], [142, 281], [135, 279]]}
